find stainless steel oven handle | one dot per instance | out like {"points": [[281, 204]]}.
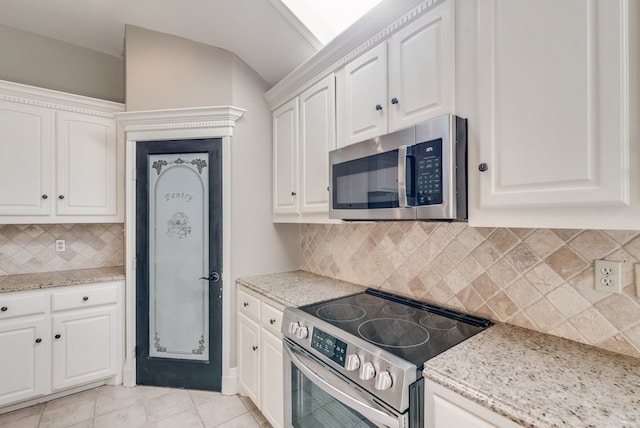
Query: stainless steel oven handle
{"points": [[402, 176], [367, 411]]}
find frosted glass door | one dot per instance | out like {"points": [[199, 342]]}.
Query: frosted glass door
{"points": [[179, 256]]}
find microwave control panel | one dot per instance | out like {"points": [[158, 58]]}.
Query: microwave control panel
{"points": [[428, 164]]}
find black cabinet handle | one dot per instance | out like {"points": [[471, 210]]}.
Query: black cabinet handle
{"points": [[44, 196], [293, 193], [57, 336], [38, 340], [394, 100], [61, 197], [4, 309], [245, 304], [255, 348], [483, 167], [85, 298], [378, 107], [272, 321]]}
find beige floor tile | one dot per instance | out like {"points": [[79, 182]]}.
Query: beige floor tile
{"points": [[89, 396], [130, 417], [116, 398], [151, 392], [74, 413], [28, 422], [84, 424], [202, 397], [167, 405], [6, 418], [242, 421], [220, 410], [187, 419]]}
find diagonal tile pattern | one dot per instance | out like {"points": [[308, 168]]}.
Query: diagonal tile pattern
{"points": [[142, 406], [30, 248], [541, 279]]}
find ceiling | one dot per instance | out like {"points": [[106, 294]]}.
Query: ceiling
{"points": [[255, 30]]}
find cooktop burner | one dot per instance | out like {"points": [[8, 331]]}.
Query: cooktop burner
{"points": [[411, 330]]}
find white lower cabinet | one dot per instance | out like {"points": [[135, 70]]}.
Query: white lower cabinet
{"points": [[58, 339], [445, 409], [260, 362]]}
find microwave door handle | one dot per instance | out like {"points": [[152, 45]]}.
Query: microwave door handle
{"points": [[368, 412], [402, 176]]}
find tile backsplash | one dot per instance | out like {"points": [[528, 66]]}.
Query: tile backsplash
{"points": [[541, 279], [30, 248]]}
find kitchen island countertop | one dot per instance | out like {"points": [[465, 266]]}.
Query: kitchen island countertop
{"points": [[298, 288], [36, 281], [540, 380]]}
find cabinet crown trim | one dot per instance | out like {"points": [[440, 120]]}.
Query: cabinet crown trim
{"points": [[48, 98], [366, 33]]}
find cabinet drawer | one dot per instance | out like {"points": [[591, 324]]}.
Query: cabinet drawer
{"points": [[249, 305], [14, 306], [84, 297], [271, 319]]}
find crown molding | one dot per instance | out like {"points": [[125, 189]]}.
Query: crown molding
{"points": [[297, 24], [219, 118], [370, 30], [48, 98]]}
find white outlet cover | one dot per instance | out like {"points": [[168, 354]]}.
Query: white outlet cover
{"points": [[60, 245], [608, 276]]}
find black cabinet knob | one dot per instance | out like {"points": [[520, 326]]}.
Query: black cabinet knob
{"points": [[4, 309], [61, 197], [85, 298], [272, 321], [293, 193], [483, 167], [38, 340], [57, 336], [44, 196], [378, 107], [245, 304], [255, 348], [394, 100]]}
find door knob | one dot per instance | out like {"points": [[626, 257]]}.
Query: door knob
{"points": [[214, 277]]}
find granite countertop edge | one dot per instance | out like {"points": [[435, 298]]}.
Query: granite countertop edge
{"points": [[44, 280]]}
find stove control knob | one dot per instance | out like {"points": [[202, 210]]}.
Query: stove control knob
{"points": [[352, 362], [302, 332], [293, 327], [367, 371], [383, 380]]}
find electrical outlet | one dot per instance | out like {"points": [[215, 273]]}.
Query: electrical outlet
{"points": [[608, 276], [60, 245], [327, 248]]}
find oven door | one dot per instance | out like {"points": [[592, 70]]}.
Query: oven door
{"points": [[316, 397]]}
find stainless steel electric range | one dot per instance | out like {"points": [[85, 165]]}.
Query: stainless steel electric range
{"points": [[357, 361]]}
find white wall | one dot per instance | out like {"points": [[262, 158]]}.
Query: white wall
{"points": [[47, 63]]}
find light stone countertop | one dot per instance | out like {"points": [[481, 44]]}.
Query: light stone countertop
{"points": [[299, 288], [540, 380], [35, 281]]}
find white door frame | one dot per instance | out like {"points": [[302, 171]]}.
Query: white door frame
{"points": [[178, 124]]}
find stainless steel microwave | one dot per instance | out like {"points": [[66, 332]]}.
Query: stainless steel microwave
{"points": [[418, 173]]}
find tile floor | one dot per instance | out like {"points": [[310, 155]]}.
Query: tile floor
{"points": [[141, 406]]}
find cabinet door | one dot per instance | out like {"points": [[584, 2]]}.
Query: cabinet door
{"points": [[249, 351], [23, 359], [553, 102], [317, 138], [285, 158], [25, 159], [272, 379], [422, 69], [362, 103], [84, 346], [86, 165]]}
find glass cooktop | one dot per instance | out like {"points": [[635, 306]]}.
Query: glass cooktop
{"points": [[411, 330]]}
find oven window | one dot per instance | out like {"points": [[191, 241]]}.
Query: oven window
{"points": [[313, 408]]}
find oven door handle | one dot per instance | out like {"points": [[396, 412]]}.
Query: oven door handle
{"points": [[367, 411], [402, 176]]}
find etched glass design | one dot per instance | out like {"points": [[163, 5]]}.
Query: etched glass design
{"points": [[179, 256]]}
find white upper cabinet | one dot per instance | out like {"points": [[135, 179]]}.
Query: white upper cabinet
{"points": [[61, 151], [362, 94], [552, 120], [25, 161], [86, 165], [398, 83], [304, 131]]}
